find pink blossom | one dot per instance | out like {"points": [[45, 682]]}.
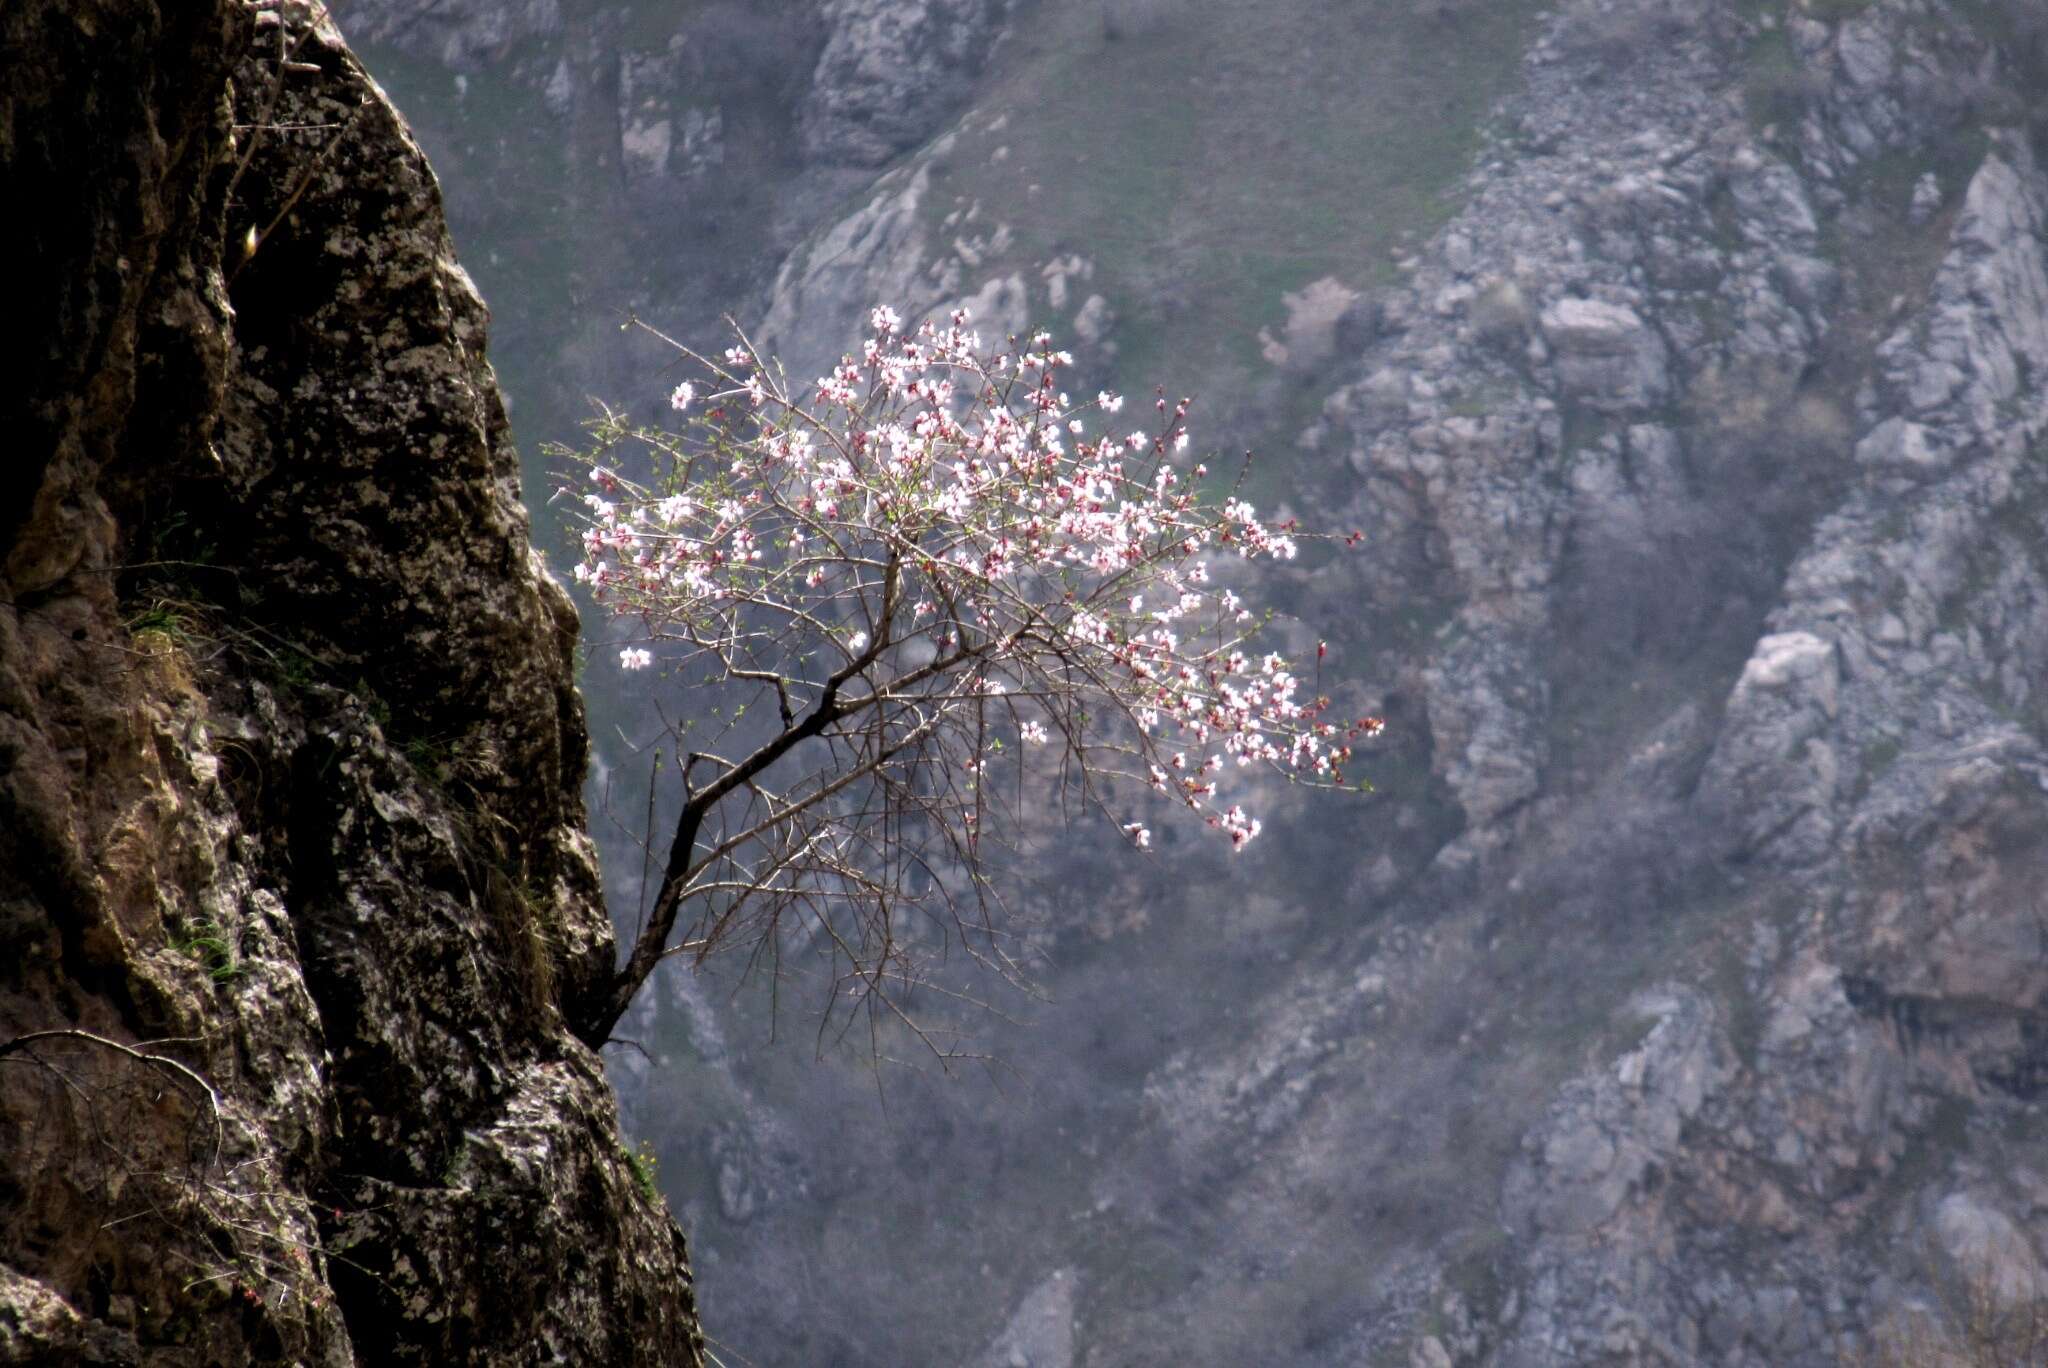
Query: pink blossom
{"points": [[952, 500]]}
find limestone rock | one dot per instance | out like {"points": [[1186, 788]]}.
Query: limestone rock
{"points": [[820, 301], [290, 752], [463, 35], [890, 72], [1607, 358], [1040, 1333]]}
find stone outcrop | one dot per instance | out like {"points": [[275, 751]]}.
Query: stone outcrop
{"points": [[1763, 1178], [294, 880], [891, 72], [463, 35]]}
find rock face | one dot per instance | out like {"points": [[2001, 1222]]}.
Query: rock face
{"points": [[890, 72], [294, 885], [463, 35], [1748, 1184]]}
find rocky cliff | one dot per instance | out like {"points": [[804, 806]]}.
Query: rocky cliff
{"points": [[1681, 997], [294, 880]]}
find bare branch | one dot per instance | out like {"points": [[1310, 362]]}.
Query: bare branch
{"points": [[164, 1063], [926, 563]]}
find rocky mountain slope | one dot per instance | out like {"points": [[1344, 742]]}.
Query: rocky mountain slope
{"points": [[294, 878], [1680, 996]]}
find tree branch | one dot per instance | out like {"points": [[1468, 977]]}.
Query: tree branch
{"points": [[164, 1062]]}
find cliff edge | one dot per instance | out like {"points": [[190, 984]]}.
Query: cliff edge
{"points": [[294, 881]]}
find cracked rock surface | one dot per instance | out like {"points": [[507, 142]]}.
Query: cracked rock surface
{"points": [[294, 880]]}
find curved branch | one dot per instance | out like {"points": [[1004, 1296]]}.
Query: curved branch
{"points": [[171, 1066]]}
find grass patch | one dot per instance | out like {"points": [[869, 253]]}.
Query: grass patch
{"points": [[1879, 755], [166, 617], [1222, 157], [1777, 87], [209, 945], [645, 1167], [1729, 983]]}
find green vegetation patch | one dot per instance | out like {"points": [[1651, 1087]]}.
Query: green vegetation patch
{"points": [[645, 1167], [211, 946], [1211, 159]]}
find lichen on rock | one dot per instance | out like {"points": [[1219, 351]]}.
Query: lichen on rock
{"points": [[292, 845]]}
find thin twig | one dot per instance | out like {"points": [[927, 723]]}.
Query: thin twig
{"points": [[164, 1062]]}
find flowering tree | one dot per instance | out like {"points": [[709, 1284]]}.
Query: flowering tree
{"points": [[924, 571]]}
